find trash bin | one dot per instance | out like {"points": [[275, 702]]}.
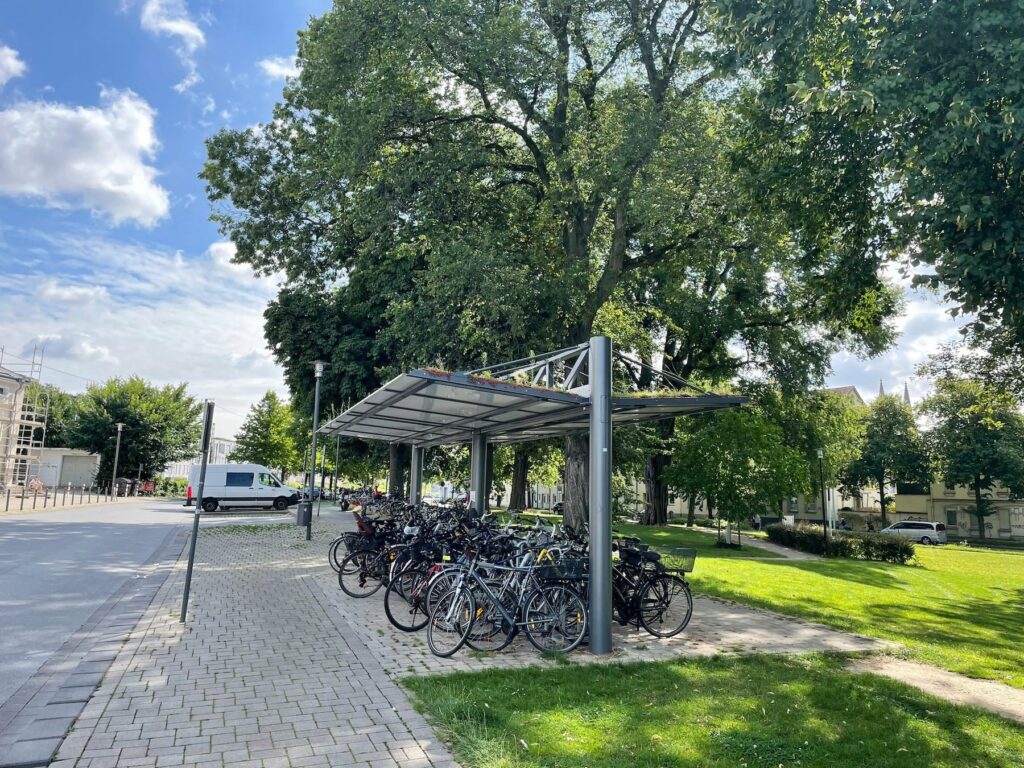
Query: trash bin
{"points": [[303, 512]]}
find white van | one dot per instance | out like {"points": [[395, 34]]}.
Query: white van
{"points": [[239, 485]]}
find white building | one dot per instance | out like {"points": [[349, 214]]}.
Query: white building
{"points": [[220, 447]]}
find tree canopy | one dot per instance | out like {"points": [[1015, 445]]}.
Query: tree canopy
{"points": [[265, 436], [892, 451], [161, 425], [977, 440]]}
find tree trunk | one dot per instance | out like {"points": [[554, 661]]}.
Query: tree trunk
{"points": [[394, 468], [978, 508], [881, 503], [691, 511], [520, 474], [656, 512], [577, 480]]}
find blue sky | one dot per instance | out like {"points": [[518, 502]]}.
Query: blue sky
{"points": [[107, 256]]}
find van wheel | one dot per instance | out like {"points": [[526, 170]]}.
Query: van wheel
{"points": [[209, 505], [926, 540], [280, 503]]}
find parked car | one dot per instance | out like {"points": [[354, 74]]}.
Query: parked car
{"points": [[919, 531], [240, 485]]}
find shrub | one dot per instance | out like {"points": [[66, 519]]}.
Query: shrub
{"points": [[807, 538], [886, 549], [170, 486]]}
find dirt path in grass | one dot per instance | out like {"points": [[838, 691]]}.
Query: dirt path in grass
{"points": [[959, 689]]}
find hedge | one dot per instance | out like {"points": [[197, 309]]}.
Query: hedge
{"points": [[808, 538]]}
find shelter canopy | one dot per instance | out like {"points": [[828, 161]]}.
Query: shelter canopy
{"points": [[427, 407]]}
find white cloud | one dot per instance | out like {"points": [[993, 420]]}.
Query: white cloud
{"points": [[171, 317], [10, 65], [54, 290], [279, 67], [170, 18], [221, 254], [84, 157], [71, 345]]}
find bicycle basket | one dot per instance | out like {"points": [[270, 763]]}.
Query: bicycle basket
{"points": [[684, 559], [566, 570]]}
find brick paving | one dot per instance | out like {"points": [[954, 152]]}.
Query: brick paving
{"points": [[277, 667], [263, 676]]}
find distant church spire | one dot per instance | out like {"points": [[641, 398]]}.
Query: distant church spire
{"points": [[881, 388], [906, 393]]}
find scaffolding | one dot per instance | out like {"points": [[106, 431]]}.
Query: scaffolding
{"points": [[23, 411]]}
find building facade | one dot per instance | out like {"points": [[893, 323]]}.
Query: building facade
{"points": [[220, 448], [948, 504]]}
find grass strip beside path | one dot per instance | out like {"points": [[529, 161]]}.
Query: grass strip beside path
{"points": [[669, 537], [959, 609], [754, 711]]}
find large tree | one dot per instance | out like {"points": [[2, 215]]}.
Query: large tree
{"points": [[266, 436], [930, 93], [892, 451], [977, 440], [161, 425], [494, 176]]}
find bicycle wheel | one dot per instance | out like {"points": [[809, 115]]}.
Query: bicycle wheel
{"points": [[405, 601], [665, 605], [555, 618], [491, 630], [451, 621], [360, 574], [439, 584], [332, 553]]}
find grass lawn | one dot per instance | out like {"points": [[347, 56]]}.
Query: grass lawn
{"points": [[666, 538], [960, 609], [753, 711]]}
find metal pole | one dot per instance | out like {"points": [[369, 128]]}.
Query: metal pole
{"points": [[600, 364], [203, 452], [415, 475], [824, 511], [478, 471], [318, 372], [323, 466], [117, 455], [334, 478]]}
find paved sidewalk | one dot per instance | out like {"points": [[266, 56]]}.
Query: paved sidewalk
{"points": [[994, 696], [262, 677]]}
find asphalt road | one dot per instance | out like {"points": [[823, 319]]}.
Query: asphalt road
{"points": [[58, 567]]}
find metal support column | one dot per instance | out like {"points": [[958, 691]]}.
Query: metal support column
{"points": [[600, 364], [478, 471], [415, 475]]}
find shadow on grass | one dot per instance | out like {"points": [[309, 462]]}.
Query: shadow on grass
{"points": [[751, 710]]}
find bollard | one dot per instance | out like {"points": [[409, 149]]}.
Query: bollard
{"points": [[64, 497], [35, 495], [20, 508], [46, 495], [7, 506]]}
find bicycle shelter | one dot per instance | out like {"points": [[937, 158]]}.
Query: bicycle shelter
{"points": [[532, 398]]}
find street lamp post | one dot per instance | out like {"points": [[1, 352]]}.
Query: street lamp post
{"points": [[318, 372], [824, 511], [117, 455]]}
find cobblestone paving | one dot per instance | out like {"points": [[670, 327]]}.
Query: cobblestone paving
{"points": [[264, 675]]}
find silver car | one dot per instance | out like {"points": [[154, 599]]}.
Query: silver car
{"points": [[919, 531]]}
